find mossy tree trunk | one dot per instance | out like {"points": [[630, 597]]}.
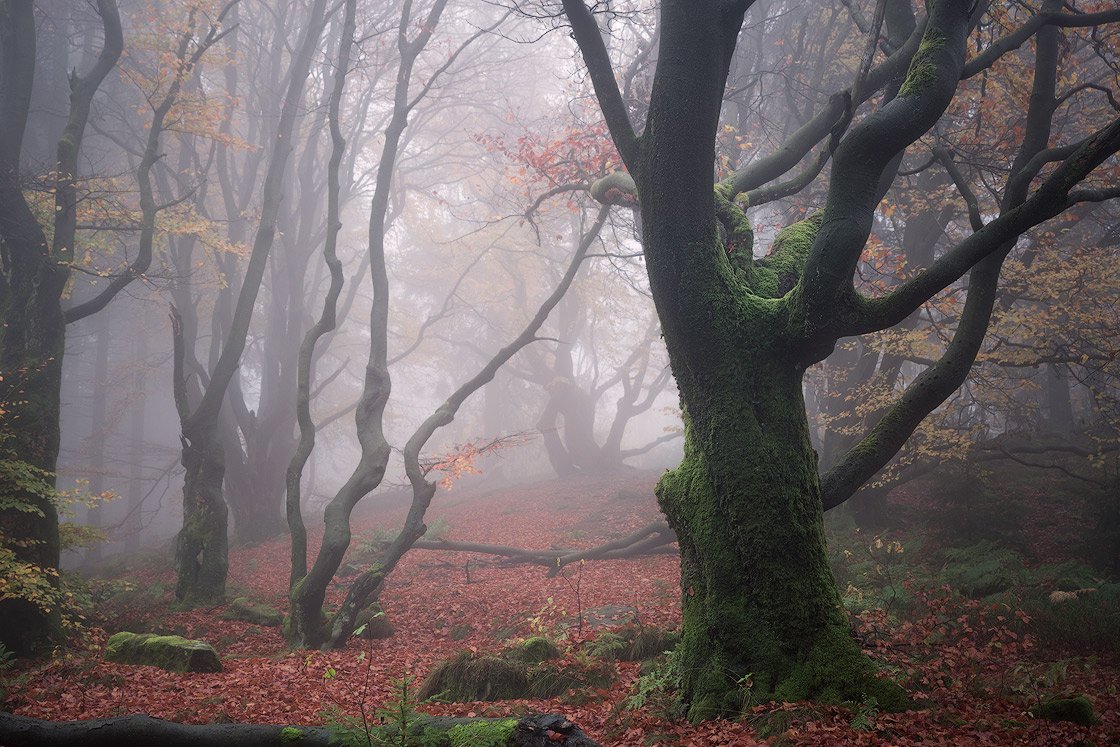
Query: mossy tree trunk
{"points": [[202, 545], [761, 614]]}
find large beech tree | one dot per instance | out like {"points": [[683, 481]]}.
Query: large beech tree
{"points": [[758, 599]]}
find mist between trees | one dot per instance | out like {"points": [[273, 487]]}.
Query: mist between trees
{"points": [[266, 264]]}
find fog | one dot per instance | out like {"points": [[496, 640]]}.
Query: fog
{"points": [[308, 277], [492, 131]]}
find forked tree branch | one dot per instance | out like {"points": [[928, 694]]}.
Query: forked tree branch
{"points": [[598, 62]]}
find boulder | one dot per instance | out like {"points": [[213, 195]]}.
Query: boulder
{"points": [[171, 652], [246, 610], [377, 625], [1076, 709], [533, 650]]}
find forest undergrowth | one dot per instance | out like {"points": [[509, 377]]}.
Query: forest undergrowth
{"points": [[987, 624]]}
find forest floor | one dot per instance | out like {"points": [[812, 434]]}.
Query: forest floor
{"points": [[975, 666]]}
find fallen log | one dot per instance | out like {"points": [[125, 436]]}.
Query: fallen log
{"points": [[652, 539], [534, 730]]}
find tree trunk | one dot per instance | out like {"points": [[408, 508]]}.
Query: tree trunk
{"points": [[537, 730], [98, 432], [134, 525], [256, 510], [761, 616], [201, 549], [1059, 410], [31, 343], [201, 552]]}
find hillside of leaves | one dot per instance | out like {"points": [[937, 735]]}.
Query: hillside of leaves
{"points": [[958, 606]]}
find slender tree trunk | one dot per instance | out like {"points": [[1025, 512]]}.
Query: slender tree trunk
{"points": [[201, 552], [133, 523], [327, 320], [97, 430]]}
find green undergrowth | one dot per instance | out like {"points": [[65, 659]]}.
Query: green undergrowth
{"points": [[398, 722], [1071, 604], [632, 642]]}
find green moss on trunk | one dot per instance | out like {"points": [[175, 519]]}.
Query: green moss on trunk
{"points": [[761, 616], [923, 70], [482, 733]]}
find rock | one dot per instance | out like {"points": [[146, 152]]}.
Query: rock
{"points": [[468, 677], [170, 652], [1076, 709], [471, 676], [377, 625], [1057, 597], [533, 650], [245, 609], [609, 617]]}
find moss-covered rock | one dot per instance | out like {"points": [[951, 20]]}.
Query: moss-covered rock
{"points": [[551, 679], [644, 642], [532, 650], [482, 733], [247, 610], [376, 622], [468, 677], [171, 652], [1076, 709]]}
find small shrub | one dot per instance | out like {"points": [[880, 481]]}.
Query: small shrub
{"points": [[656, 689]]}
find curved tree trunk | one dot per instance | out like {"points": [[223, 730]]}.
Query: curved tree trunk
{"points": [[201, 550]]}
